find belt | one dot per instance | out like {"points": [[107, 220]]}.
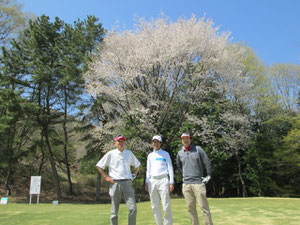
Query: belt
{"points": [[123, 180], [160, 176]]}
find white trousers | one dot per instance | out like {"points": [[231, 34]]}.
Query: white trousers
{"points": [[159, 194]]}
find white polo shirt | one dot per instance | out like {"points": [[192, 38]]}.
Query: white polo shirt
{"points": [[158, 164], [119, 163]]}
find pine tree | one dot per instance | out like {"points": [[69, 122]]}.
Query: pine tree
{"points": [[16, 126], [77, 43], [39, 48]]}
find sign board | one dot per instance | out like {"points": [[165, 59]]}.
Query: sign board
{"points": [[35, 185], [4, 201], [55, 202]]}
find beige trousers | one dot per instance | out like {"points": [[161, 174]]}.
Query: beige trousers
{"points": [[193, 193]]}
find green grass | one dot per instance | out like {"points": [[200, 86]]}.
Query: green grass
{"points": [[231, 211]]}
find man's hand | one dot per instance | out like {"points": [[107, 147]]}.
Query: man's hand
{"points": [[133, 176], [105, 176], [205, 179], [171, 188], [109, 180]]}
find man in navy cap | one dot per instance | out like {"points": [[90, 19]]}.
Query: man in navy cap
{"points": [[119, 161], [191, 161]]}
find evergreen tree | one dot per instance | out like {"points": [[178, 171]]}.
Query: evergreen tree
{"points": [[16, 125], [77, 43], [39, 48]]}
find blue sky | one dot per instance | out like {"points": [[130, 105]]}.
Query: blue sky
{"points": [[270, 27]]}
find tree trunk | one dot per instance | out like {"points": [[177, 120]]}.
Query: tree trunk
{"points": [[98, 187], [214, 188], [7, 179], [66, 145], [43, 155], [53, 167], [68, 170], [245, 194], [11, 150]]}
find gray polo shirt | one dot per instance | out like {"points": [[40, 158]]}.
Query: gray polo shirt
{"points": [[190, 164]]}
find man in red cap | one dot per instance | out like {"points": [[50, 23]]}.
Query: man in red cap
{"points": [[191, 161], [119, 162]]}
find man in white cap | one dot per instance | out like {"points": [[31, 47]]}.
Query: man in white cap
{"points": [[120, 178], [160, 181], [191, 161]]}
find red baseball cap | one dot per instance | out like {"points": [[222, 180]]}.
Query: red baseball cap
{"points": [[120, 137]]}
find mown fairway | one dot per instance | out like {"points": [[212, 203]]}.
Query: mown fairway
{"points": [[232, 211]]}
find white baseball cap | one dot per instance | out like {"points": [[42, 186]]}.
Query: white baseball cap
{"points": [[157, 137], [185, 134]]}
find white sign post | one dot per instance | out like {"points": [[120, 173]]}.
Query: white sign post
{"points": [[4, 201], [35, 187]]}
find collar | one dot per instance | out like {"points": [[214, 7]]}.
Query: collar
{"points": [[119, 152], [186, 149], [156, 150]]}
